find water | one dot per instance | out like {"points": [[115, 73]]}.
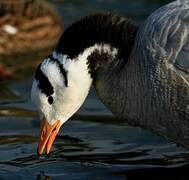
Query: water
{"points": [[93, 144]]}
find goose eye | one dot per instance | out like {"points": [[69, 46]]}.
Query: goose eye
{"points": [[50, 99]]}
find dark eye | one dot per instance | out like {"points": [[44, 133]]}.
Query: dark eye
{"points": [[50, 99]]}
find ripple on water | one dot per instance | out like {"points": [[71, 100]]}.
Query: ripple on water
{"points": [[87, 149]]}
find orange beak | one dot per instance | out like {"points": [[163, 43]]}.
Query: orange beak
{"points": [[47, 136]]}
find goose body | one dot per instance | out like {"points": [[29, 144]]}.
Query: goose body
{"points": [[140, 73]]}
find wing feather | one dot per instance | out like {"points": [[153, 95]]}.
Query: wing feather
{"points": [[166, 34]]}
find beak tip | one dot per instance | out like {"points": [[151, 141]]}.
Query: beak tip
{"points": [[47, 152], [47, 136], [39, 153]]}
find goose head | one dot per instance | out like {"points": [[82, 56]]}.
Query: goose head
{"points": [[62, 81], [59, 88]]}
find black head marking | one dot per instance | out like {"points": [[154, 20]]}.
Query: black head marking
{"points": [[43, 82], [61, 68]]}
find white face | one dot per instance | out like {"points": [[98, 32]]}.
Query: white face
{"points": [[65, 100]]}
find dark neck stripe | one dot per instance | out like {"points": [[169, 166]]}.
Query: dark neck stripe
{"points": [[44, 84], [61, 68], [105, 58], [107, 28]]}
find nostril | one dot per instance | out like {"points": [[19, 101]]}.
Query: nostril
{"points": [[42, 134], [54, 130]]}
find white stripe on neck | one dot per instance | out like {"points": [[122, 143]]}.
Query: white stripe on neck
{"points": [[106, 48]]}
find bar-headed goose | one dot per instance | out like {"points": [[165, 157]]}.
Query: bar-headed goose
{"points": [[140, 73]]}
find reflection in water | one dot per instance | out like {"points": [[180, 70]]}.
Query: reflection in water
{"points": [[93, 144], [117, 152]]}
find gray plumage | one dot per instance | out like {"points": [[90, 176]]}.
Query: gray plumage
{"points": [[140, 74], [152, 90]]}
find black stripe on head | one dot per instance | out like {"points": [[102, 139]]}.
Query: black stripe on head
{"points": [[44, 84], [61, 68]]}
